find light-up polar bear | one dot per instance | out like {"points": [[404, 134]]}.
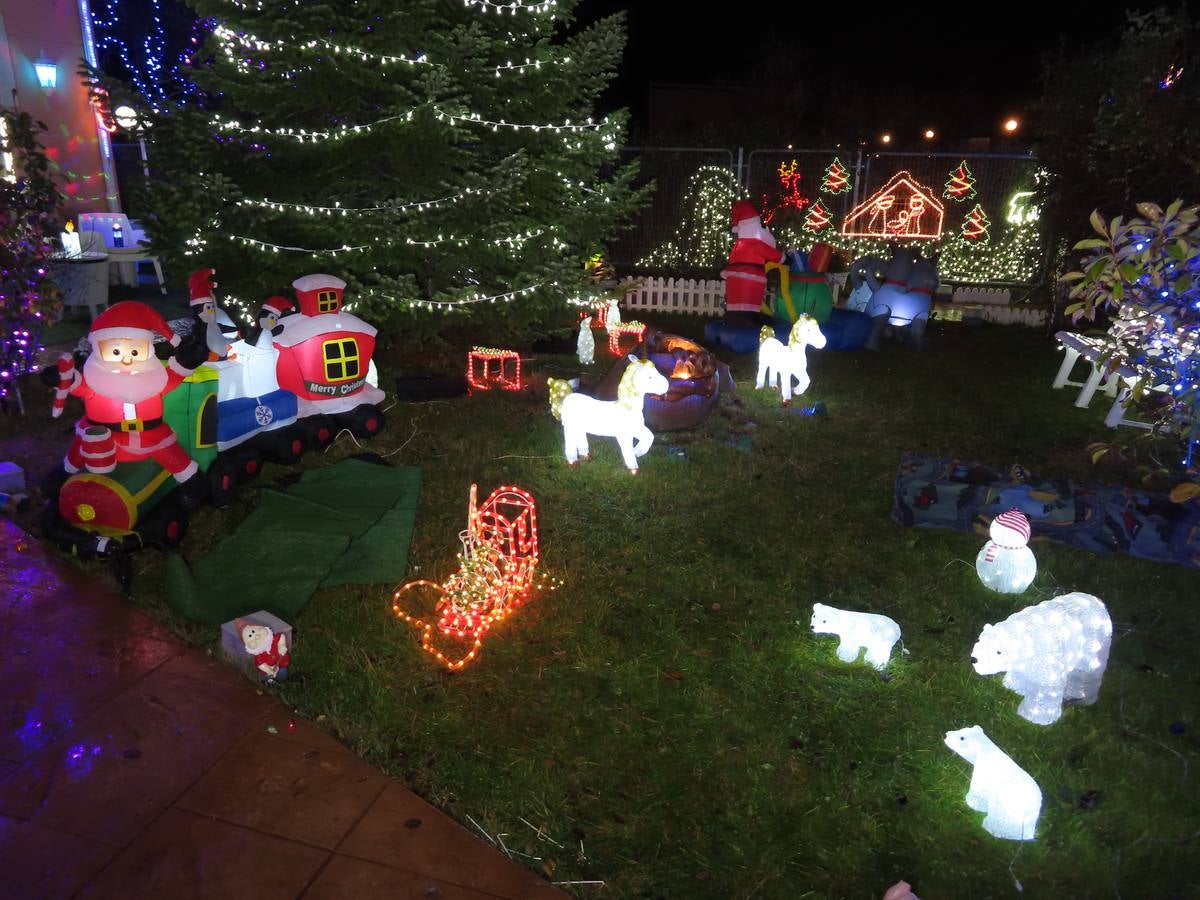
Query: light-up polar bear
{"points": [[878, 634], [1049, 653], [999, 787]]}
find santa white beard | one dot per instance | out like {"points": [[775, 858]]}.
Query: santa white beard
{"points": [[127, 384], [754, 230]]}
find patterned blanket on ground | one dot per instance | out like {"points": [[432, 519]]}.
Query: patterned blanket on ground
{"points": [[946, 493]]}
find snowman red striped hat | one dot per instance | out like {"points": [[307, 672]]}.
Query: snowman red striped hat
{"points": [[1011, 529], [130, 319], [200, 286]]}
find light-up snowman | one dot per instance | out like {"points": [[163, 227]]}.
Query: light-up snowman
{"points": [[1006, 564]]}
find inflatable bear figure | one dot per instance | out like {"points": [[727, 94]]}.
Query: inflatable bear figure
{"points": [[999, 787], [1051, 652], [878, 634]]}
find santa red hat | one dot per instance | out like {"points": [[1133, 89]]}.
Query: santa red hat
{"points": [[130, 319], [742, 210], [200, 286], [277, 305]]}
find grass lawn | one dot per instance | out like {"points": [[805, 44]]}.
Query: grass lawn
{"points": [[668, 718]]}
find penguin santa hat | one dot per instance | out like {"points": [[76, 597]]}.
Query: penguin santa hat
{"points": [[200, 286], [276, 306]]}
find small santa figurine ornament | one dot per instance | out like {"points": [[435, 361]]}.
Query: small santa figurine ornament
{"points": [[273, 309], [745, 278], [122, 386], [1006, 565], [204, 308], [270, 651]]}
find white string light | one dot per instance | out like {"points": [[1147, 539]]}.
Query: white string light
{"points": [[512, 242], [305, 136], [339, 210], [513, 7], [248, 41]]}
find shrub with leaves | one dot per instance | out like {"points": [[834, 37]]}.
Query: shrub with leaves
{"points": [[29, 214], [1143, 270]]}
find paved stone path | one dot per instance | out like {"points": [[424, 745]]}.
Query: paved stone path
{"points": [[132, 765]]}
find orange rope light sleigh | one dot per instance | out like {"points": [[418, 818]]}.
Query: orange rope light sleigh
{"points": [[495, 575]]}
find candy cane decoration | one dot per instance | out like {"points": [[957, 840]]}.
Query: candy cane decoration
{"points": [[68, 378]]}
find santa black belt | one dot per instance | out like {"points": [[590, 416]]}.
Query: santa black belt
{"points": [[131, 425]]}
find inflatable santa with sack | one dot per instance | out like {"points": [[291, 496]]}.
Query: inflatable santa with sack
{"points": [[745, 278], [122, 386]]}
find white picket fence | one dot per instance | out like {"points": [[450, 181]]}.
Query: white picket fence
{"points": [[690, 295], [684, 295], [707, 298]]}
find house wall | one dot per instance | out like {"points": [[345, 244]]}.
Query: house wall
{"points": [[32, 30]]}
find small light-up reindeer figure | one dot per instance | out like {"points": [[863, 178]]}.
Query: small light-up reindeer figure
{"points": [[495, 575]]}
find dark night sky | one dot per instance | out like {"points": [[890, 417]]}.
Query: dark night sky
{"points": [[987, 55]]}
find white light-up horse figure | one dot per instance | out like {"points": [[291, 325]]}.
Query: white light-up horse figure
{"points": [[622, 418], [778, 365]]}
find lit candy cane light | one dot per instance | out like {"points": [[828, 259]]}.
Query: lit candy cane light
{"points": [[496, 573]]}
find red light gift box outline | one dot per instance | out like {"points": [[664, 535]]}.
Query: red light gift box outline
{"points": [[500, 376], [637, 329], [496, 574]]}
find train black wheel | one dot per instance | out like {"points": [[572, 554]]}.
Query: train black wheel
{"points": [[285, 446], [365, 421], [320, 431], [222, 479], [165, 526], [249, 464]]}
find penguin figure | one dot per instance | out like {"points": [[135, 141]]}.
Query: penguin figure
{"points": [[273, 309], [201, 285]]}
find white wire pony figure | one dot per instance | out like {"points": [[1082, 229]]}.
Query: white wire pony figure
{"points": [[779, 365], [623, 418]]}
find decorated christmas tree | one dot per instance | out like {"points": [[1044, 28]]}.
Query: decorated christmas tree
{"points": [[837, 178], [445, 158], [961, 185], [976, 225], [703, 237], [818, 218]]}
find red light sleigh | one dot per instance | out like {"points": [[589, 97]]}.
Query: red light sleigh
{"points": [[496, 573]]}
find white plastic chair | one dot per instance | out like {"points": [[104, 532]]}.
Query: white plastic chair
{"points": [[122, 260]]}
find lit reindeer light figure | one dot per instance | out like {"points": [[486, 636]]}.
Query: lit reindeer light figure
{"points": [[622, 418], [779, 365], [496, 571]]}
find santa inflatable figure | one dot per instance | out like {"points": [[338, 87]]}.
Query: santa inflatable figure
{"points": [[745, 278], [122, 386], [201, 285]]}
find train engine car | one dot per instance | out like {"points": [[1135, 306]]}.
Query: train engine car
{"points": [[273, 400], [325, 356]]}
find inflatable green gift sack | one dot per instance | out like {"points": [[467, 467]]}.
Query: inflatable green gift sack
{"points": [[803, 291]]}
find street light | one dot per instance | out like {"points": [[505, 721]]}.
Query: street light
{"points": [[126, 118], [886, 138], [930, 134], [1011, 125]]}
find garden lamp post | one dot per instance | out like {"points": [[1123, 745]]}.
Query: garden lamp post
{"points": [[126, 118]]}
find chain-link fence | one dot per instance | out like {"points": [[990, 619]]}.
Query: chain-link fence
{"points": [[974, 210], [680, 175]]}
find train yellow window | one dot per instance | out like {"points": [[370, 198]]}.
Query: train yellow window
{"points": [[327, 301], [341, 359]]}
